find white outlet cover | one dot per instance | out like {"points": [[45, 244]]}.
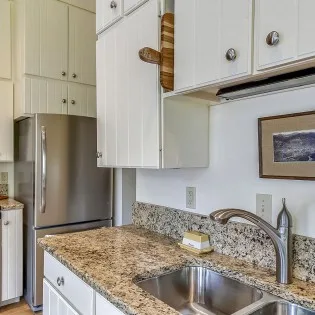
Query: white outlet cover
{"points": [[191, 197], [264, 207]]}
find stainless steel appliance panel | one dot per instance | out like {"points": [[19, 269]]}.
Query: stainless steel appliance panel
{"points": [[38, 254], [69, 188]]}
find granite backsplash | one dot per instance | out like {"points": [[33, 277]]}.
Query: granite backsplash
{"points": [[4, 189], [239, 240]]}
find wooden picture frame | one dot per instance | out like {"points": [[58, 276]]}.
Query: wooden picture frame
{"points": [[287, 146]]}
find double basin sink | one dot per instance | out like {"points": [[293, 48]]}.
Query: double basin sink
{"points": [[201, 291]]}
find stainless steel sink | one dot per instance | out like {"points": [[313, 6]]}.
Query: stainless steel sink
{"points": [[282, 308], [198, 290]]}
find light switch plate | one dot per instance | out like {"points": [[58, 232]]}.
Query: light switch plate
{"points": [[191, 197], [264, 207]]}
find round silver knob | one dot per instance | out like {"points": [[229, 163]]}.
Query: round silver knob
{"points": [[74, 75], [113, 5], [231, 55], [63, 73], [273, 38], [99, 155], [6, 223], [72, 102], [60, 281], [64, 101]]}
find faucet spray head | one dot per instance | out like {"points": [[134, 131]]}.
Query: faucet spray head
{"points": [[284, 217]]}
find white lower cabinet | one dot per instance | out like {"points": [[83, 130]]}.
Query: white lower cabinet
{"points": [[103, 307], [66, 294], [54, 304], [47, 96], [12, 254]]}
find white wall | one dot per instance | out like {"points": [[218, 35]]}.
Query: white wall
{"points": [[232, 180]]}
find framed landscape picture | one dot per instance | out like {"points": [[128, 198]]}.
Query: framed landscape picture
{"points": [[287, 146]]}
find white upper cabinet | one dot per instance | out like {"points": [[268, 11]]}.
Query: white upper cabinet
{"points": [[275, 32], [284, 32], [53, 39], [107, 13], [6, 121], [214, 44], [82, 46], [59, 41], [5, 39], [135, 128]]}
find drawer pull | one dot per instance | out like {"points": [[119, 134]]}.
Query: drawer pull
{"points": [[273, 38], [60, 281], [6, 223], [113, 5]]}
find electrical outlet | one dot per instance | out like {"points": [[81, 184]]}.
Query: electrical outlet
{"points": [[264, 207], [4, 177], [191, 197]]}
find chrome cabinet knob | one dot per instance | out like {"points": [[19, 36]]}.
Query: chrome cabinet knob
{"points": [[60, 281], [273, 38], [99, 155], [74, 75], [113, 4], [64, 101], [230, 55], [6, 223], [63, 73], [72, 102]]}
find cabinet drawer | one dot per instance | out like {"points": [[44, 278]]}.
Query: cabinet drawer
{"points": [[72, 288], [104, 307]]}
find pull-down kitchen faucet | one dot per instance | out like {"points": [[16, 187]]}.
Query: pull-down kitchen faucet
{"points": [[281, 237]]}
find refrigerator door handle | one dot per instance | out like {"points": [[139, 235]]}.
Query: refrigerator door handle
{"points": [[44, 170]]}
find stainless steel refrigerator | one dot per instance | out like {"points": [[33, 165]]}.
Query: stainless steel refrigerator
{"points": [[57, 179]]}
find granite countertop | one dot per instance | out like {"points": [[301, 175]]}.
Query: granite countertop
{"points": [[10, 204], [111, 259]]}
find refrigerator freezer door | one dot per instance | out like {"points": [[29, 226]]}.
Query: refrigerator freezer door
{"points": [[69, 188], [35, 277]]}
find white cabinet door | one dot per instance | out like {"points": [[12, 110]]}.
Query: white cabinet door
{"points": [[12, 252], [306, 28], [6, 121], [128, 92], [5, 39], [103, 307], [279, 16], [106, 97], [107, 13], [53, 39], [32, 36], [45, 96], [82, 41], [53, 302], [236, 35], [141, 82], [207, 48], [184, 44], [130, 5]]}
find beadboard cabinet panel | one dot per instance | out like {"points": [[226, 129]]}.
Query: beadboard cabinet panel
{"points": [[6, 121], [82, 41], [54, 39], [5, 39], [30, 52], [12, 252]]}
